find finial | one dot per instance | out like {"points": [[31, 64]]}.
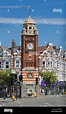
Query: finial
{"points": [[29, 11]]}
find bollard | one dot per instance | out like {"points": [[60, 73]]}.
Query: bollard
{"points": [[34, 94], [13, 97]]}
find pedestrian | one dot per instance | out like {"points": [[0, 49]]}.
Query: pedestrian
{"points": [[58, 90], [3, 93], [42, 91], [46, 91]]}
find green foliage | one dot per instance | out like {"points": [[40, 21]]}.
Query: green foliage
{"points": [[48, 76], [5, 77]]}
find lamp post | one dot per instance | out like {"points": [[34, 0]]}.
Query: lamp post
{"points": [[18, 86], [39, 77], [64, 81], [64, 85], [13, 75]]}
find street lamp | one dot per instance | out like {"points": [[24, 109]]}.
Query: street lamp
{"points": [[18, 85], [64, 85]]}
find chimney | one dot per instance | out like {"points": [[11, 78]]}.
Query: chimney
{"points": [[13, 45]]}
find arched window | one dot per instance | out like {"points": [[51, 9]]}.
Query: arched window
{"points": [[29, 27], [50, 64], [44, 63]]}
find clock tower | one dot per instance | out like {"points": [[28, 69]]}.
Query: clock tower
{"points": [[29, 55]]}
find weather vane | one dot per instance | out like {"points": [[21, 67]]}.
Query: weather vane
{"points": [[29, 10]]}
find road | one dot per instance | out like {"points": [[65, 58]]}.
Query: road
{"points": [[48, 100], [41, 101]]}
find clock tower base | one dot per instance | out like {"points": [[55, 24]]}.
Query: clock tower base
{"points": [[29, 81]]}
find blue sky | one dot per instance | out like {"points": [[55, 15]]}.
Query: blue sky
{"points": [[49, 15]]}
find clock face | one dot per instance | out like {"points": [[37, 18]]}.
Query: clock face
{"points": [[30, 75], [30, 46]]}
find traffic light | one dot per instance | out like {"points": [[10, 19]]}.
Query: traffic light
{"points": [[36, 80], [20, 78], [12, 81], [12, 78], [15, 76]]}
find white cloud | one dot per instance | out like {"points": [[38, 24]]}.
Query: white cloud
{"points": [[49, 21], [19, 6], [11, 21], [54, 3], [52, 21]]}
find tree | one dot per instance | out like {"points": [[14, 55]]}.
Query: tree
{"points": [[5, 77], [1, 77], [49, 77]]}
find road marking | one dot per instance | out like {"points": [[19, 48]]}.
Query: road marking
{"points": [[47, 103]]}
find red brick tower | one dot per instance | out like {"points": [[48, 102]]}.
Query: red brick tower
{"points": [[29, 54]]}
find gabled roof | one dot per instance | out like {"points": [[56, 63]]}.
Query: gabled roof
{"points": [[46, 48], [41, 48]]}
